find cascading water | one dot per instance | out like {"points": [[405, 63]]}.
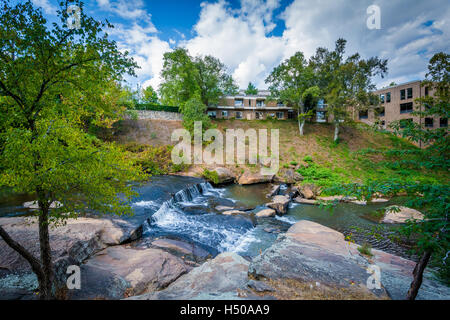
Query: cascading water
{"points": [[188, 215]]}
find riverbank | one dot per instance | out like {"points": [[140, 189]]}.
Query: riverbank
{"points": [[274, 256]]}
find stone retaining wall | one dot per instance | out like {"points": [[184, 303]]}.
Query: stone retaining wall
{"points": [[159, 115]]}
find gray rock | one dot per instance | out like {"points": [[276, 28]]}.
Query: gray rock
{"points": [[225, 175], [404, 214], [224, 277], [266, 213], [279, 204], [259, 286], [275, 191], [118, 272], [311, 253], [182, 247]]}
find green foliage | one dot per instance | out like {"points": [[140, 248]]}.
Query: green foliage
{"points": [[366, 249], [150, 96], [211, 176], [319, 176], [308, 158], [194, 111], [185, 77], [251, 90]]}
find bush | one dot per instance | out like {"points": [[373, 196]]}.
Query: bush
{"points": [[308, 159], [211, 176], [319, 176], [366, 249]]}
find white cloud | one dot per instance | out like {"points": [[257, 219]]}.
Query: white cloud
{"points": [[45, 4], [125, 9]]}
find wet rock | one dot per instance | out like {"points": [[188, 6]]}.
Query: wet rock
{"points": [[404, 214], [224, 208], [233, 212], [379, 200], [254, 178], [266, 213], [310, 253], [119, 271], [279, 204], [223, 278], [259, 286]]}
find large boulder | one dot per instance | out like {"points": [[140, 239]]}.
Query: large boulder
{"points": [[279, 204], [225, 175], [181, 248], [308, 191], [119, 272], [222, 278], [401, 215], [310, 254], [266, 213], [254, 178]]}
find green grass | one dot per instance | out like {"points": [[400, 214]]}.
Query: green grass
{"points": [[366, 249]]}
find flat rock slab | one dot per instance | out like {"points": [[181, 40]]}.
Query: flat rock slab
{"points": [[181, 247], [222, 278], [310, 253], [279, 204], [306, 201], [404, 214], [266, 213], [254, 178], [118, 272]]}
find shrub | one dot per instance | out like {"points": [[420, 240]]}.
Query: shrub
{"points": [[308, 159], [366, 249], [211, 176]]}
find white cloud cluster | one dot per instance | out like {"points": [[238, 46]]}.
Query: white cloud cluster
{"points": [[243, 38]]}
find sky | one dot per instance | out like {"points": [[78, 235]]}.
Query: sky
{"points": [[251, 37]]}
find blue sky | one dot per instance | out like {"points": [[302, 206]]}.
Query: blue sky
{"points": [[253, 36]]}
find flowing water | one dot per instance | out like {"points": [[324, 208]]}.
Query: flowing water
{"points": [[185, 208]]}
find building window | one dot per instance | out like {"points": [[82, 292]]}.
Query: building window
{"points": [[238, 115], [427, 91], [280, 104], [260, 103], [291, 114], [410, 93], [280, 115], [363, 114], [402, 94], [443, 122], [383, 123], [429, 122], [238, 102], [212, 114], [382, 98], [405, 122], [381, 112], [388, 97], [224, 114], [259, 115], [321, 116], [406, 107]]}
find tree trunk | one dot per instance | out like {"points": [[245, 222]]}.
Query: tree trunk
{"points": [[336, 131], [418, 275], [301, 125], [46, 285]]}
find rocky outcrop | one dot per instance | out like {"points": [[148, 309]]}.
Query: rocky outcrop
{"points": [[266, 213], [225, 175], [119, 272], [77, 240], [396, 214], [287, 176], [310, 253], [223, 278], [279, 204], [254, 178], [182, 248], [275, 191]]}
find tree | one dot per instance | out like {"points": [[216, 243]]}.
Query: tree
{"points": [[51, 81], [433, 199], [347, 83], [185, 77], [289, 81], [251, 90], [194, 111], [150, 95]]}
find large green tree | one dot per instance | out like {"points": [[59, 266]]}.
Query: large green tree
{"points": [[345, 83], [290, 81], [149, 95], [185, 77], [52, 80], [251, 89]]}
